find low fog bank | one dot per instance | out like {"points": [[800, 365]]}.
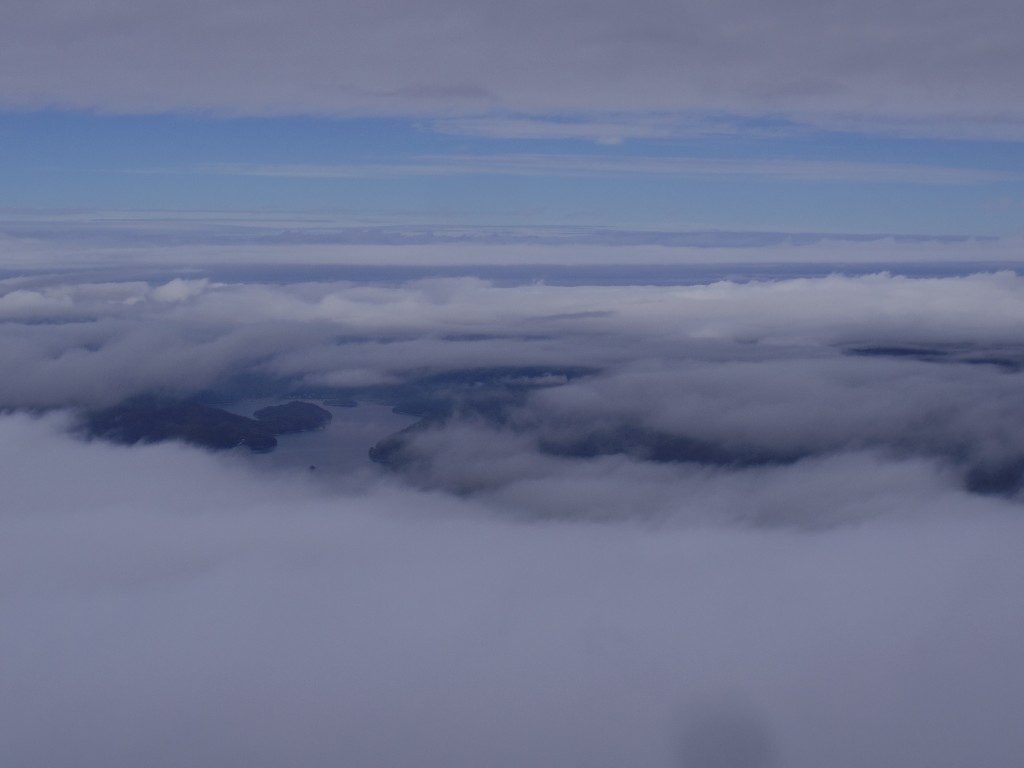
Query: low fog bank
{"points": [[165, 606]]}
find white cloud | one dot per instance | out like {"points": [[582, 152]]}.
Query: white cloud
{"points": [[179, 289], [500, 604], [586, 166], [69, 342], [165, 606]]}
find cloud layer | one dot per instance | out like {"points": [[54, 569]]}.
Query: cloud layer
{"points": [[847, 597], [166, 607], [778, 377], [921, 66], [238, 245]]}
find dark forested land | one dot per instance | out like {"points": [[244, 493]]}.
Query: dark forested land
{"points": [[151, 419]]}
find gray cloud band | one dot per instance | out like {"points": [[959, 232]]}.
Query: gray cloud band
{"points": [[916, 67]]}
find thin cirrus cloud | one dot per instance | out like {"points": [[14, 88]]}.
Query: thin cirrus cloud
{"points": [[610, 129], [584, 166]]}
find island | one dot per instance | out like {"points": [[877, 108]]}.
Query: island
{"points": [[154, 419]]}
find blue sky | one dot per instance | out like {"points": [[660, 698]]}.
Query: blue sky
{"points": [[841, 117], [414, 170]]}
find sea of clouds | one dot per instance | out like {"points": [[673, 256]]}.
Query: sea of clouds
{"points": [[848, 597]]}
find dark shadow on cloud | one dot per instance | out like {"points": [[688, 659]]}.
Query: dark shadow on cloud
{"points": [[722, 734], [1009, 360]]}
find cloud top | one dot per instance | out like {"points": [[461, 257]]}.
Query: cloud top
{"points": [[755, 524]]}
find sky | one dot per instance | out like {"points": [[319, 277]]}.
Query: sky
{"points": [[787, 117], [390, 170], [673, 356]]}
